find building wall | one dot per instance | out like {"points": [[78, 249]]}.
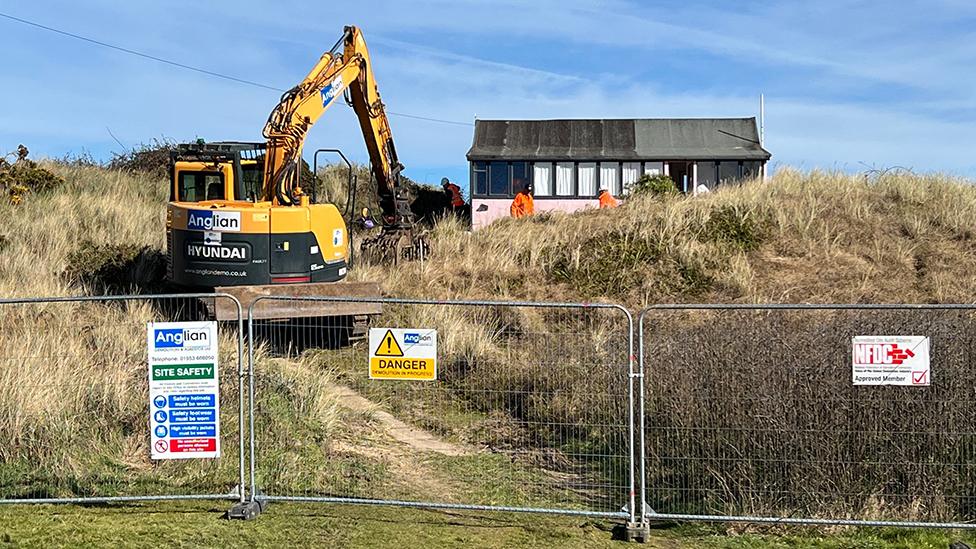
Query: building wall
{"points": [[484, 211]]}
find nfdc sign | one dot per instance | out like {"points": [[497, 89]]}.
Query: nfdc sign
{"points": [[891, 360]]}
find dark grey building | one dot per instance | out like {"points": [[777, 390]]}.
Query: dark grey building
{"points": [[574, 159]]}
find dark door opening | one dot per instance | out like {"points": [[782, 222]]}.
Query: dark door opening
{"points": [[680, 173]]}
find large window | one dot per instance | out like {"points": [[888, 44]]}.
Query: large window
{"points": [[542, 178], [498, 183], [586, 178], [631, 173], [520, 175], [503, 179], [251, 186], [610, 177], [707, 170], [199, 186], [750, 169], [653, 168], [481, 178], [565, 178], [728, 171]]}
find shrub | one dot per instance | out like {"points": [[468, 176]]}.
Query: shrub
{"points": [[655, 185], [24, 177], [609, 264], [111, 268], [734, 225], [148, 158]]}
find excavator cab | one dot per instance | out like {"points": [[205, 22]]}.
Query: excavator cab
{"points": [[231, 171]]}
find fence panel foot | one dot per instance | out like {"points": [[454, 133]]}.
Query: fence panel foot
{"points": [[247, 510], [635, 532]]}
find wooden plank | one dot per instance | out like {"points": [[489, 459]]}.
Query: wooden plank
{"points": [[272, 309]]}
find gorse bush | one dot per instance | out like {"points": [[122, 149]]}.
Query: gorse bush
{"points": [[24, 177], [654, 185], [116, 268], [604, 265], [735, 225]]}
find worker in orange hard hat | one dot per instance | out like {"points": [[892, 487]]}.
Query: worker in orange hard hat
{"points": [[453, 193], [607, 200], [523, 204]]}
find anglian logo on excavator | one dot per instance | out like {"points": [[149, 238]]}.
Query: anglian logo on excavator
{"points": [[332, 91], [209, 220]]}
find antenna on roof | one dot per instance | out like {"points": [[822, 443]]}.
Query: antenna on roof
{"points": [[762, 119], [762, 129]]}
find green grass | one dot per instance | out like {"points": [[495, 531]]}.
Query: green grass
{"points": [[198, 524]]}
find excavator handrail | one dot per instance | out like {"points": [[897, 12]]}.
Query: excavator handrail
{"points": [[351, 198]]}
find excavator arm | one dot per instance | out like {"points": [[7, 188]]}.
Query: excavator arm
{"points": [[336, 73]]}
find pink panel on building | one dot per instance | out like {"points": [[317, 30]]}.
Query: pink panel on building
{"points": [[496, 208]]}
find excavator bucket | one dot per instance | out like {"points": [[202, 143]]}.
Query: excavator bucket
{"points": [[394, 246], [271, 309]]}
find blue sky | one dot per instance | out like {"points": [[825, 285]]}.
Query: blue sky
{"points": [[846, 83]]}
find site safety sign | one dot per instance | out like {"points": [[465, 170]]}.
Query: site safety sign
{"points": [[184, 395], [891, 360], [403, 353]]}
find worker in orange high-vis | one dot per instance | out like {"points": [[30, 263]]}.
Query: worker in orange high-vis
{"points": [[523, 204], [607, 200], [453, 193]]}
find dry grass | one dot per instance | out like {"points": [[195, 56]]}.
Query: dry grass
{"points": [[818, 237], [754, 412], [95, 206]]}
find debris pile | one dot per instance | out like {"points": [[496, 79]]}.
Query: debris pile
{"points": [[151, 158]]}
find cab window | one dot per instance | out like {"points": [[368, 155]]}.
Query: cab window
{"points": [[199, 186], [252, 174]]}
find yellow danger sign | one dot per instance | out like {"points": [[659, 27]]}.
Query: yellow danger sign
{"points": [[420, 369], [403, 353]]}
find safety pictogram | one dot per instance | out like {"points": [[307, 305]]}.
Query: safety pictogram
{"points": [[388, 346], [161, 446]]}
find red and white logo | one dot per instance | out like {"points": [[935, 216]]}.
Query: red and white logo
{"points": [[881, 353]]}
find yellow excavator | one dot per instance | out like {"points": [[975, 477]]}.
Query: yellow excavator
{"points": [[240, 220]]}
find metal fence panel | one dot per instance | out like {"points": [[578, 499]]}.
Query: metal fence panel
{"points": [[750, 413], [530, 411], [74, 410]]}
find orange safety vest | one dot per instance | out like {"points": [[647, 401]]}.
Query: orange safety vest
{"points": [[523, 205], [456, 199], [608, 201]]}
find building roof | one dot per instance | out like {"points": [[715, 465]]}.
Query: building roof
{"points": [[618, 139]]}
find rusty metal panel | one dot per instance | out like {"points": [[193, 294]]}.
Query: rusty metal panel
{"points": [[301, 309]]}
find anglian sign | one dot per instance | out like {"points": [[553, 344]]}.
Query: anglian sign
{"points": [[184, 395], [403, 353]]}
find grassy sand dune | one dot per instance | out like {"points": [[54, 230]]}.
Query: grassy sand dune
{"points": [[72, 378]]}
